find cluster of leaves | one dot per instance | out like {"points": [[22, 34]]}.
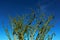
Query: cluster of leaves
{"points": [[21, 29]]}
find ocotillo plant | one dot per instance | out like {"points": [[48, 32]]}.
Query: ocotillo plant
{"points": [[24, 30]]}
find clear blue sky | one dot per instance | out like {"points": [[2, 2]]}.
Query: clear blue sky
{"points": [[12, 7]]}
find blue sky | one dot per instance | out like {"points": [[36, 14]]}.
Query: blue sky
{"points": [[12, 7]]}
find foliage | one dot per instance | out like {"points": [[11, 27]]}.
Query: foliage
{"points": [[22, 27]]}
